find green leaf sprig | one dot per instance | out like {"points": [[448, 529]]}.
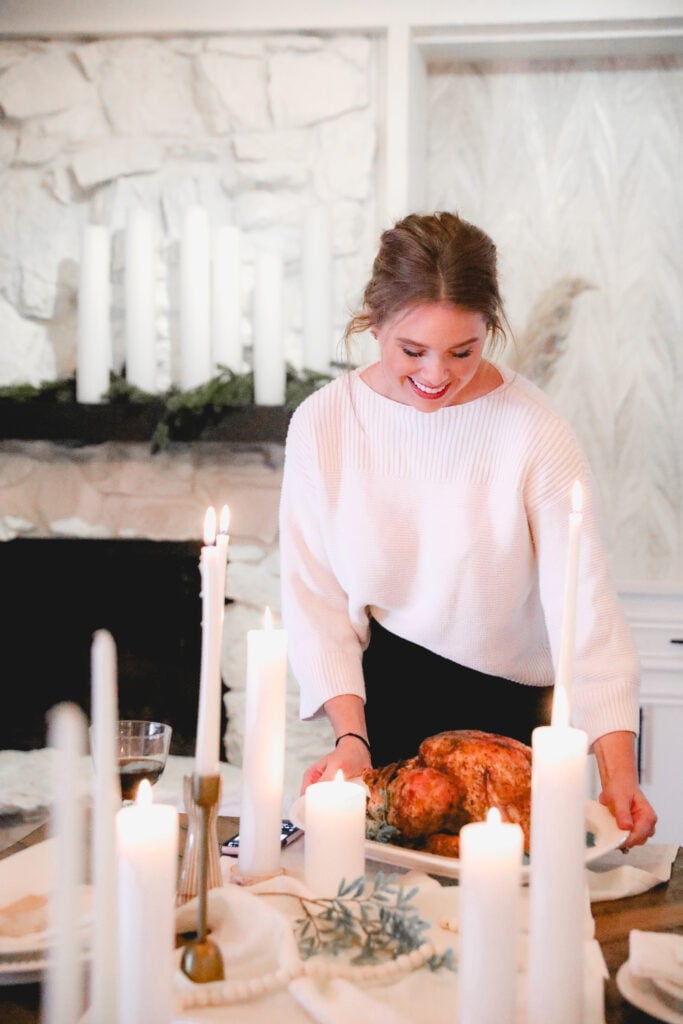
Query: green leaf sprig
{"points": [[380, 924]]}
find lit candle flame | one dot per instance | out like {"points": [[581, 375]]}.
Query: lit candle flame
{"points": [[493, 817], [225, 519], [210, 526], [339, 777], [577, 497], [267, 618], [144, 794]]}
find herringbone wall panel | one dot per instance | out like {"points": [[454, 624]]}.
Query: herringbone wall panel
{"points": [[576, 171]]}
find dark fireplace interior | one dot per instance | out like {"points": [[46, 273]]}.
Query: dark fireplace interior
{"points": [[58, 592]]}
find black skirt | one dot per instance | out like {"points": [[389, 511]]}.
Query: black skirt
{"points": [[412, 693]]}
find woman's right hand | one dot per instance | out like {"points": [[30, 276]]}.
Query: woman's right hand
{"points": [[350, 756]]}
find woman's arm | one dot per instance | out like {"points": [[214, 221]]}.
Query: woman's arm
{"points": [[621, 792], [347, 715]]}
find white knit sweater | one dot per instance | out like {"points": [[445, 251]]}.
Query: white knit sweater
{"points": [[450, 528]]}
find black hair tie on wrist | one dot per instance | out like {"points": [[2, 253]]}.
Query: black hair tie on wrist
{"points": [[356, 735]]}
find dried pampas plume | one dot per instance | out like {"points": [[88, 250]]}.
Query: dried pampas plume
{"points": [[543, 339]]}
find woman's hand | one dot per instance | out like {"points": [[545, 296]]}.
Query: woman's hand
{"points": [[620, 790], [632, 811], [350, 756], [346, 714]]}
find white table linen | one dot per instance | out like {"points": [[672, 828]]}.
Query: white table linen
{"points": [[419, 995], [618, 874]]}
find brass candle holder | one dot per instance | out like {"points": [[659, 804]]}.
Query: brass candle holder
{"points": [[207, 789], [200, 871]]}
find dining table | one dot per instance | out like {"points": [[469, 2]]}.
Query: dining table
{"points": [[659, 909]]}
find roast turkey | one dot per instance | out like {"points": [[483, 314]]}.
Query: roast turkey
{"points": [[456, 777]]}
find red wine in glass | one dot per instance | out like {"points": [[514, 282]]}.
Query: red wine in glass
{"points": [[132, 770]]}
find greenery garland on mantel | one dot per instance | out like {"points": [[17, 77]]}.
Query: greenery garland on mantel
{"points": [[181, 412]]}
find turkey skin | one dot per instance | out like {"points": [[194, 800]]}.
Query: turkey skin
{"points": [[456, 777]]}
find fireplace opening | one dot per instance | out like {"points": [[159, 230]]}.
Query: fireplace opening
{"points": [[58, 592]]}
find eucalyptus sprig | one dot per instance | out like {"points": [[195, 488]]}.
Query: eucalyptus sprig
{"points": [[380, 924]]}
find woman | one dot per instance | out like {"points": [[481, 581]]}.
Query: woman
{"points": [[424, 519]]}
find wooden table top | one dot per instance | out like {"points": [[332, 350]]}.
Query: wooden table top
{"points": [[659, 909]]}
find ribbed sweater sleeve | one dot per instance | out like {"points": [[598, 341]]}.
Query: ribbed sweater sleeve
{"points": [[324, 649], [450, 528]]}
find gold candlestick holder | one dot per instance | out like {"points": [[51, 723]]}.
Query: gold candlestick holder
{"points": [[201, 960], [207, 789]]}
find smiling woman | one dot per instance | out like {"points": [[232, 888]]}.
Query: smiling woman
{"points": [[432, 356], [423, 531]]}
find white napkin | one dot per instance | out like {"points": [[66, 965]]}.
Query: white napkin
{"points": [[618, 874], [656, 955], [336, 1001]]}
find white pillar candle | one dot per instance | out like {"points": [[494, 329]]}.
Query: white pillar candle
{"points": [[195, 299], [490, 879], [556, 882], [147, 846], [268, 344], [563, 679], [316, 284], [212, 569], [226, 299], [263, 755], [94, 358], [223, 535], [139, 295], [64, 980], [334, 838], [106, 802]]}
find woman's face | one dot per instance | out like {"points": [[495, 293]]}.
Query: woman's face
{"points": [[431, 356]]}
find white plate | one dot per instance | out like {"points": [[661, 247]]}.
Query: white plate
{"points": [[599, 821], [643, 994], [30, 872]]}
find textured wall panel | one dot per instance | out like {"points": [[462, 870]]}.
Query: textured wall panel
{"points": [[575, 171]]}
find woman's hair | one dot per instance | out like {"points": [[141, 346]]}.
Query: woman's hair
{"points": [[436, 257]]}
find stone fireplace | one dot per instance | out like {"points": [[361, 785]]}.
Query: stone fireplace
{"points": [[108, 536]]}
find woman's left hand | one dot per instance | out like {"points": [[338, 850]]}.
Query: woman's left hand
{"points": [[615, 754], [632, 810]]}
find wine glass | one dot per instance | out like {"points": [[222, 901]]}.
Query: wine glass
{"points": [[141, 751]]}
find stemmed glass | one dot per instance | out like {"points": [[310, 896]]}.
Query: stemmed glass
{"points": [[141, 751]]}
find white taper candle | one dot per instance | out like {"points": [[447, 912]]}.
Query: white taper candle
{"points": [[94, 359], [557, 873], [63, 1002], [268, 344], [104, 974], [264, 750], [212, 569]]}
